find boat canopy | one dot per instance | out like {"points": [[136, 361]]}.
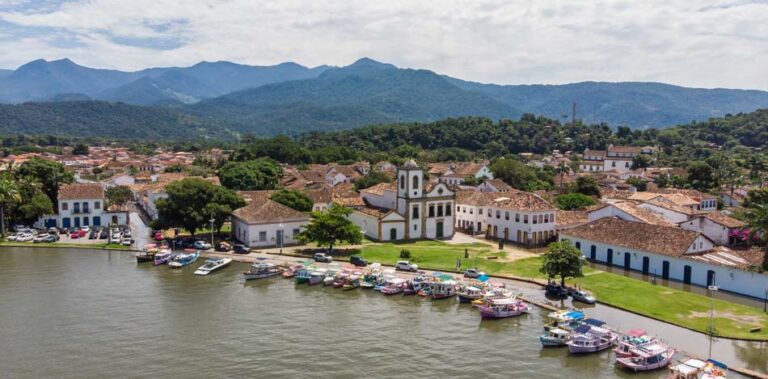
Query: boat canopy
{"points": [[483, 278], [594, 321], [582, 329], [636, 333], [718, 364]]}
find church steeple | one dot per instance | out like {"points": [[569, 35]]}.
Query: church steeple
{"points": [[410, 180]]}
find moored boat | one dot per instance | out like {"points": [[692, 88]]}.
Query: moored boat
{"points": [[591, 337], [502, 308], [647, 357], [330, 274], [212, 265], [554, 337], [302, 275], [443, 289], [316, 276], [694, 368], [634, 338], [468, 294], [352, 282], [393, 286], [182, 260], [566, 320], [163, 257], [262, 270], [147, 254]]}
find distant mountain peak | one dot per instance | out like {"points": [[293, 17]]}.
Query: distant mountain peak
{"points": [[368, 62]]}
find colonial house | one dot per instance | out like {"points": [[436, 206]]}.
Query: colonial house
{"points": [[669, 210], [716, 226], [516, 216], [626, 210], [616, 158], [266, 223], [82, 204], [459, 172], [671, 253], [734, 198], [410, 208], [494, 185]]}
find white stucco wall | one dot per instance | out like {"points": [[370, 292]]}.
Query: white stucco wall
{"points": [[250, 234], [714, 231], [71, 218], [514, 224], [667, 214]]}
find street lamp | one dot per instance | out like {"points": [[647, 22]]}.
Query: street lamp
{"points": [[362, 249], [212, 220], [282, 236], [712, 289]]}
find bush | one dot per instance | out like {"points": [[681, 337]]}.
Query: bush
{"points": [[405, 254], [573, 201]]}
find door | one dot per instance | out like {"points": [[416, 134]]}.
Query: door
{"points": [[665, 270], [77, 222], [393, 234], [506, 234], [710, 278], [593, 253], [609, 257], [687, 274], [439, 229], [279, 238], [646, 265], [96, 220], [627, 261], [65, 223], [85, 221]]}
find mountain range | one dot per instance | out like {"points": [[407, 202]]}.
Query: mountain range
{"points": [[289, 98]]}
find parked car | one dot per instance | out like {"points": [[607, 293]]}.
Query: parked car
{"points": [[556, 291], [115, 239], [223, 246], [93, 234], [127, 233], [406, 266], [241, 249], [86, 229], [127, 241], [323, 257], [74, 233], [39, 238], [473, 272], [103, 234], [358, 261], [14, 236], [201, 245], [25, 237], [45, 238], [53, 231], [583, 296]]}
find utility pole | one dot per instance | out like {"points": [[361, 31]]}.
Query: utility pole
{"points": [[712, 289], [573, 114]]}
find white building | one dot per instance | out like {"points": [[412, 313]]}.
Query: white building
{"points": [[494, 185], [426, 208], [266, 223], [715, 225], [616, 158], [671, 253], [82, 204], [516, 216], [459, 172], [629, 211]]}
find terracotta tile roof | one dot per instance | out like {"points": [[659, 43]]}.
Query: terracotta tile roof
{"points": [[313, 176], [77, 191], [625, 149], [319, 195], [345, 194], [257, 196], [466, 169], [666, 204], [724, 220], [666, 240], [594, 153], [499, 184], [374, 211], [348, 171], [379, 189], [439, 168], [724, 256], [258, 211], [641, 214], [514, 200], [571, 219], [692, 194]]}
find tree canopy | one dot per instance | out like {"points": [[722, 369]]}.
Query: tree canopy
{"points": [[258, 174], [563, 260], [293, 199], [521, 176], [331, 227], [370, 179], [192, 202], [573, 201]]}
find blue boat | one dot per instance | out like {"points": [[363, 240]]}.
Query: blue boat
{"points": [[182, 260]]}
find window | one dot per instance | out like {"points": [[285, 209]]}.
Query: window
{"points": [[498, 214], [97, 205], [415, 227], [415, 213], [541, 219], [296, 232], [613, 163], [479, 211], [448, 209], [470, 210], [431, 210], [262, 236], [415, 182], [439, 210], [546, 218], [517, 217], [506, 215], [402, 181], [458, 209], [525, 219], [552, 217], [533, 219], [64, 206]]}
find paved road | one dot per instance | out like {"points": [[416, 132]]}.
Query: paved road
{"points": [[140, 231]]}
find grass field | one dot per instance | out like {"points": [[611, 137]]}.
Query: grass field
{"points": [[671, 305]]}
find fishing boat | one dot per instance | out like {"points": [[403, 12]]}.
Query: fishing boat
{"points": [[591, 337], [163, 257], [503, 308], [341, 277], [491, 295], [262, 270], [387, 276], [182, 260], [468, 294], [302, 275], [353, 281], [694, 368], [566, 320], [212, 265], [372, 277], [291, 271], [647, 358], [443, 290], [330, 273], [634, 338], [316, 276], [554, 337], [394, 286], [147, 254]]}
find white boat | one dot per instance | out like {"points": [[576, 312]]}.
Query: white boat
{"points": [[212, 265], [502, 308], [694, 368], [182, 260], [591, 337], [330, 274], [647, 357], [444, 289], [553, 337], [317, 276], [262, 270]]}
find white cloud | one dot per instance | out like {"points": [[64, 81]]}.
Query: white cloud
{"points": [[706, 44]]}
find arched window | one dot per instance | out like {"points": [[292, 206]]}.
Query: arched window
{"points": [[415, 182], [402, 181]]}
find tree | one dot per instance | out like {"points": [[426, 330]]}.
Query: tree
{"points": [[80, 149], [587, 185], [192, 202], [9, 195], [757, 219], [31, 210], [638, 183], [573, 201], [701, 176], [641, 161], [561, 170], [118, 195], [756, 196], [519, 175], [293, 199], [259, 174], [49, 173], [330, 227], [563, 260], [371, 179]]}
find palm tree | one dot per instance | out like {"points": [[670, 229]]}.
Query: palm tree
{"points": [[757, 219], [9, 194], [562, 169]]}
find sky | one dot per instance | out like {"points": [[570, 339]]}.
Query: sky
{"points": [[692, 43]]}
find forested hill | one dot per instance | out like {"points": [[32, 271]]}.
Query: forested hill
{"points": [[104, 120]]}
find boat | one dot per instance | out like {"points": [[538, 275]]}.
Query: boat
{"points": [[566, 320], [302, 274], [262, 270], [443, 290], [386, 277], [147, 254], [502, 308], [633, 338], [212, 265], [316, 276], [372, 277], [491, 295], [468, 294], [341, 277], [647, 358], [330, 274], [394, 286], [183, 259], [591, 337], [163, 257], [291, 271], [554, 337], [694, 368], [353, 281]]}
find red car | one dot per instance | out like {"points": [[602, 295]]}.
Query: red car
{"points": [[77, 233], [158, 236]]}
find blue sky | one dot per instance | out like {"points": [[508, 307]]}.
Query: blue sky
{"points": [[694, 43]]}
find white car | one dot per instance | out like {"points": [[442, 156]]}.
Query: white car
{"points": [[26, 237], [15, 236], [473, 273], [40, 237], [406, 266], [126, 241], [115, 239], [201, 245], [86, 229]]}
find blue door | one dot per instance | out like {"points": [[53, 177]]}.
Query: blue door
{"points": [[77, 222], [96, 220], [687, 274], [646, 265], [665, 270], [627, 260], [65, 223], [85, 221], [593, 252], [609, 257]]}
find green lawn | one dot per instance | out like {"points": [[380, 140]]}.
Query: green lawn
{"points": [[102, 246], [674, 306]]}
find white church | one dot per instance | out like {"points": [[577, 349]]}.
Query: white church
{"points": [[410, 208]]}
